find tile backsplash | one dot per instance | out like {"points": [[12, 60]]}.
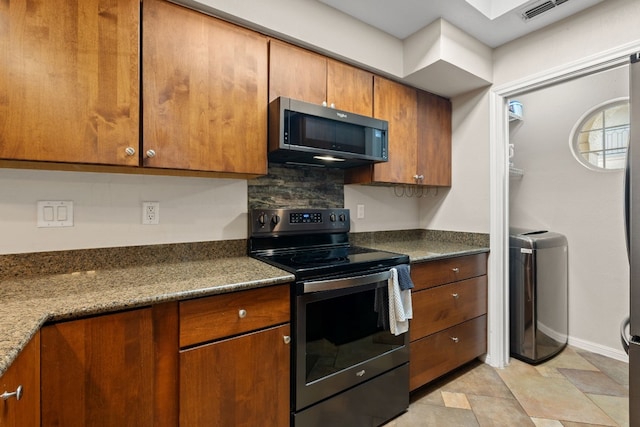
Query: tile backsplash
{"points": [[297, 187]]}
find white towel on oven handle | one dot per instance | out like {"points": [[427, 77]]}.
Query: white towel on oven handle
{"points": [[400, 307]]}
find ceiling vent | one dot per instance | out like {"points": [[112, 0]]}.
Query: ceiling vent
{"points": [[540, 8]]}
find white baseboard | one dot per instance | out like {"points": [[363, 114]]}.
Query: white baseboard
{"points": [[613, 353], [558, 336]]}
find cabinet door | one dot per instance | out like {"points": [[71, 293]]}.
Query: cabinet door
{"points": [[296, 73], [99, 371], [397, 104], [241, 381], [69, 82], [349, 88], [204, 94], [24, 372], [434, 140]]}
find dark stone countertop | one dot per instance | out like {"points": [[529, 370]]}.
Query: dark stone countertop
{"points": [[44, 287]]}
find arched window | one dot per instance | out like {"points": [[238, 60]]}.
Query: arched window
{"points": [[600, 139]]}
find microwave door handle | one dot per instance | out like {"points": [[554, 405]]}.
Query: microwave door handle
{"points": [[346, 282]]}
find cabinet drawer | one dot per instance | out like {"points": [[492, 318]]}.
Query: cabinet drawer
{"points": [[433, 273], [437, 354], [438, 308], [219, 316]]}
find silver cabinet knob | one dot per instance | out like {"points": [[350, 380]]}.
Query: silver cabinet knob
{"points": [[287, 339], [130, 151], [455, 270], [455, 339], [456, 295], [324, 103], [242, 313], [17, 394], [418, 178], [332, 105], [151, 153]]}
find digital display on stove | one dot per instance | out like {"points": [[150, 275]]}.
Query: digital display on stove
{"points": [[305, 217]]}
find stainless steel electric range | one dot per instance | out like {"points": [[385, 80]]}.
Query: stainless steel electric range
{"points": [[348, 369]]}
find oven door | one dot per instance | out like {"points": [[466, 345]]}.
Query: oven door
{"points": [[341, 336]]}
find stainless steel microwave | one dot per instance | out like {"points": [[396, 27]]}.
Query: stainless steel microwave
{"points": [[301, 133]]}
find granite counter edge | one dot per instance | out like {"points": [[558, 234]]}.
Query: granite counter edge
{"points": [[40, 318]]}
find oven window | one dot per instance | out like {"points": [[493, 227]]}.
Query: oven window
{"points": [[345, 330]]}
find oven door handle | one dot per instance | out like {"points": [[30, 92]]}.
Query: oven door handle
{"points": [[345, 282]]}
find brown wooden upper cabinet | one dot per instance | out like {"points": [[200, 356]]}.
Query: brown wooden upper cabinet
{"points": [[307, 76], [205, 86], [70, 93], [69, 81], [434, 140], [419, 137]]}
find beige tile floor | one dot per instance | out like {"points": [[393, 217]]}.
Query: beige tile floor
{"points": [[574, 389]]}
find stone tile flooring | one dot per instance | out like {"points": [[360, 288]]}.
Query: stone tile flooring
{"points": [[574, 389]]}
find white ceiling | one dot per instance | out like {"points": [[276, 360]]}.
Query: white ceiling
{"points": [[493, 22]]}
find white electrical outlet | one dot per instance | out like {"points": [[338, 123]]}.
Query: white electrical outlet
{"points": [[360, 213], [151, 213]]}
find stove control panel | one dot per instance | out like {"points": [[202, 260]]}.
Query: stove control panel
{"points": [[298, 221], [305, 217]]}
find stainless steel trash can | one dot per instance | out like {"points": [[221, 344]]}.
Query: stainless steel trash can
{"points": [[538, 294]]}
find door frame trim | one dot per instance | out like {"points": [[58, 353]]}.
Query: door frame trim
{"points": [[498, 264]]}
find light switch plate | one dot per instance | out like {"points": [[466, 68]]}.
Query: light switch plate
{"points": [[55, 213]]}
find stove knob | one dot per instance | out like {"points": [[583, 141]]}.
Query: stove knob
{"points": [[275, 219], [332, 217], [262, 219], [343, 217]]}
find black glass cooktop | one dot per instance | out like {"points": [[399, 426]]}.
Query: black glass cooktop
{"points": [[326, 262]]}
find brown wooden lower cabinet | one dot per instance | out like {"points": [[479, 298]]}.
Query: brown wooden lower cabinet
{"points": [[437, 354], [127, 368], [241, 381], [99, 371], [24, 372], [449, 325]]}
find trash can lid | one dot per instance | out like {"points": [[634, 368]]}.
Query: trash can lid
{"points": [[535, 239]]}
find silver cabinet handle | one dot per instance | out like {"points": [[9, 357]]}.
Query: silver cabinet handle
{"points": [[151, 153], [287, 339], [455, 270], [130, 151], [455, 339], [17, 394], [455, 295], [242, 313]]}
